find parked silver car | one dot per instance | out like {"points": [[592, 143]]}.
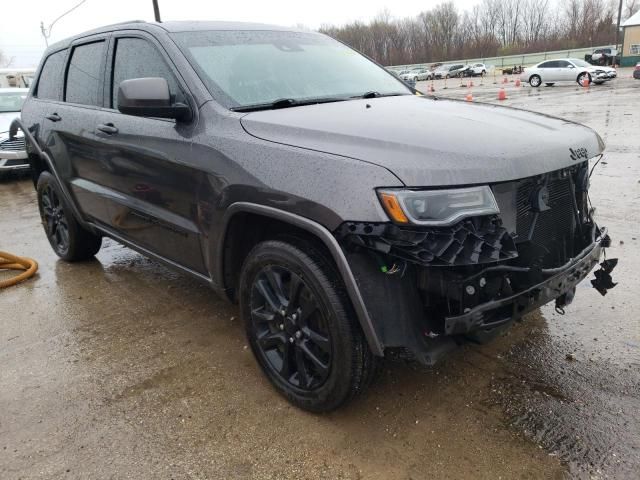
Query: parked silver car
{"points": [[12, 151], [550, 72]]}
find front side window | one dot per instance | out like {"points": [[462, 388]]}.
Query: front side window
{"points": [[563, 64], [137, 58], [245, 68], [51, 77], [84, 84]]}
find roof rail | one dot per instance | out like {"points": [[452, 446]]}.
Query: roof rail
{"points": [[123, 23]]}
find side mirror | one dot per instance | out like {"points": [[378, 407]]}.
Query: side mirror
{"points": [[149, 97]]}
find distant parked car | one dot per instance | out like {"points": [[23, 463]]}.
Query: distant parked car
{"points": [[603, 56], [477, 69], [441, 71], [636, 71], [12, 151], [455, 71], [417, 74], [550, 72]]}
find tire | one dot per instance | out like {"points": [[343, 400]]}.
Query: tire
{"points": [[549, 84], [535, 81], [69, 240], [581, 78], [301, 326]]}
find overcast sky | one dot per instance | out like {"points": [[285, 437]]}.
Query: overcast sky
{"points": [[20, 35]]}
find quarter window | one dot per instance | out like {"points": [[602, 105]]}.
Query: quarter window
{"points": [[137, 58], [84, 84], [51, 77]]}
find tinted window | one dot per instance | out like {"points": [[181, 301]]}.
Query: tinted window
{"points": [[546, 65], [563, 64], [137, 58], [51, 77], [84, 84]]}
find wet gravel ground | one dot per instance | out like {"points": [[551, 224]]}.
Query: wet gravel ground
{"points": [[120, 368], [573, 386]]}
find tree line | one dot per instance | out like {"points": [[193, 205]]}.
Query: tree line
{"points": [[491, 28]]}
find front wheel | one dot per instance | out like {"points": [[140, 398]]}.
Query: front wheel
{"points": [[301, 327], [69, 240], [535, 80], [583, 78]]}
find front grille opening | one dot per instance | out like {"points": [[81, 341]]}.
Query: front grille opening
{"points": [[546, 238]]}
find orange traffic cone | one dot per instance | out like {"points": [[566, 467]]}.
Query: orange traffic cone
{"points": [[517, 82], [469, 97], [502, 95], [585, 81], [470, 83], [504, 79]]}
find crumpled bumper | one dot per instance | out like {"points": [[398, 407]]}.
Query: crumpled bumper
{"points": [[561, 284]]}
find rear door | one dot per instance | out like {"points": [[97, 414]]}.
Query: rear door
{"points": [[144, 162], [67, 133]]}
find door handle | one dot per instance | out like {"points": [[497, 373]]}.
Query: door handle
{"points": [[107, 128], [54, 117]]}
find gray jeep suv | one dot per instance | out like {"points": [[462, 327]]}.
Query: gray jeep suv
{"points": [[270, 164]]}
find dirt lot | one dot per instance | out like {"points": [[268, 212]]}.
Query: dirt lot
{"points": [[119, 368]]}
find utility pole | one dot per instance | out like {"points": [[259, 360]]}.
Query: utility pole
{"points": [[46, 32], [618, 24], [156, 10]]}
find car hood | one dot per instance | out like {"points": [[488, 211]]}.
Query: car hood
{"points": [[430, 142]]}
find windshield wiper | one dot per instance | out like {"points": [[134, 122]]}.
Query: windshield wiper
{"points": [[286, 103], [374, 94]]}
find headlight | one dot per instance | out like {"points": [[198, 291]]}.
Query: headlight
{"points": [[438, 207]]}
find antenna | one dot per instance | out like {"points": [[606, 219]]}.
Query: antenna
{"points": [[156, 11]]}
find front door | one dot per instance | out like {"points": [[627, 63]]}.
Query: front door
{"points": [[150, 188]]}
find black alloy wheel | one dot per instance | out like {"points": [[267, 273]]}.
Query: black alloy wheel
{"points": [[301, 326], [69, 240], [290, 329], [55, 220]]}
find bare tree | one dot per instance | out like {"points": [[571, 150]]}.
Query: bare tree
{"points": [[5, 61], [490, 28], [631, 7]]}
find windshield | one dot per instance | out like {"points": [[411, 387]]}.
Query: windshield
{"points": [[11, 101], [580, 63], [244, 68]]}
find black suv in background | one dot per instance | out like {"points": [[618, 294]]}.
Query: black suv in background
{"points": [[270, 164]]}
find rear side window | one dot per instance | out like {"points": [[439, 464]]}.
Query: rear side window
{"points": [[137, 58], [84, 83], [51, 77]]}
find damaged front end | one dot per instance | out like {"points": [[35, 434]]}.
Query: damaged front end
{"points": [[428, 286]]}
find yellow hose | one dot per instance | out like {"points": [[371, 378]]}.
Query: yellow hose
{"points": [[11, 262]]}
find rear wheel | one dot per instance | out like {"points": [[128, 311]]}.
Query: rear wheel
{"points": [[67, 237], [301, 327], [535, 80]]}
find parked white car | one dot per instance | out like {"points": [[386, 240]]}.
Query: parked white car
{"points": [[550, 72], [13, 155], [478, 69]]}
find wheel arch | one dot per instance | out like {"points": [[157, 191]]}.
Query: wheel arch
{"points": [[235, 243]]}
